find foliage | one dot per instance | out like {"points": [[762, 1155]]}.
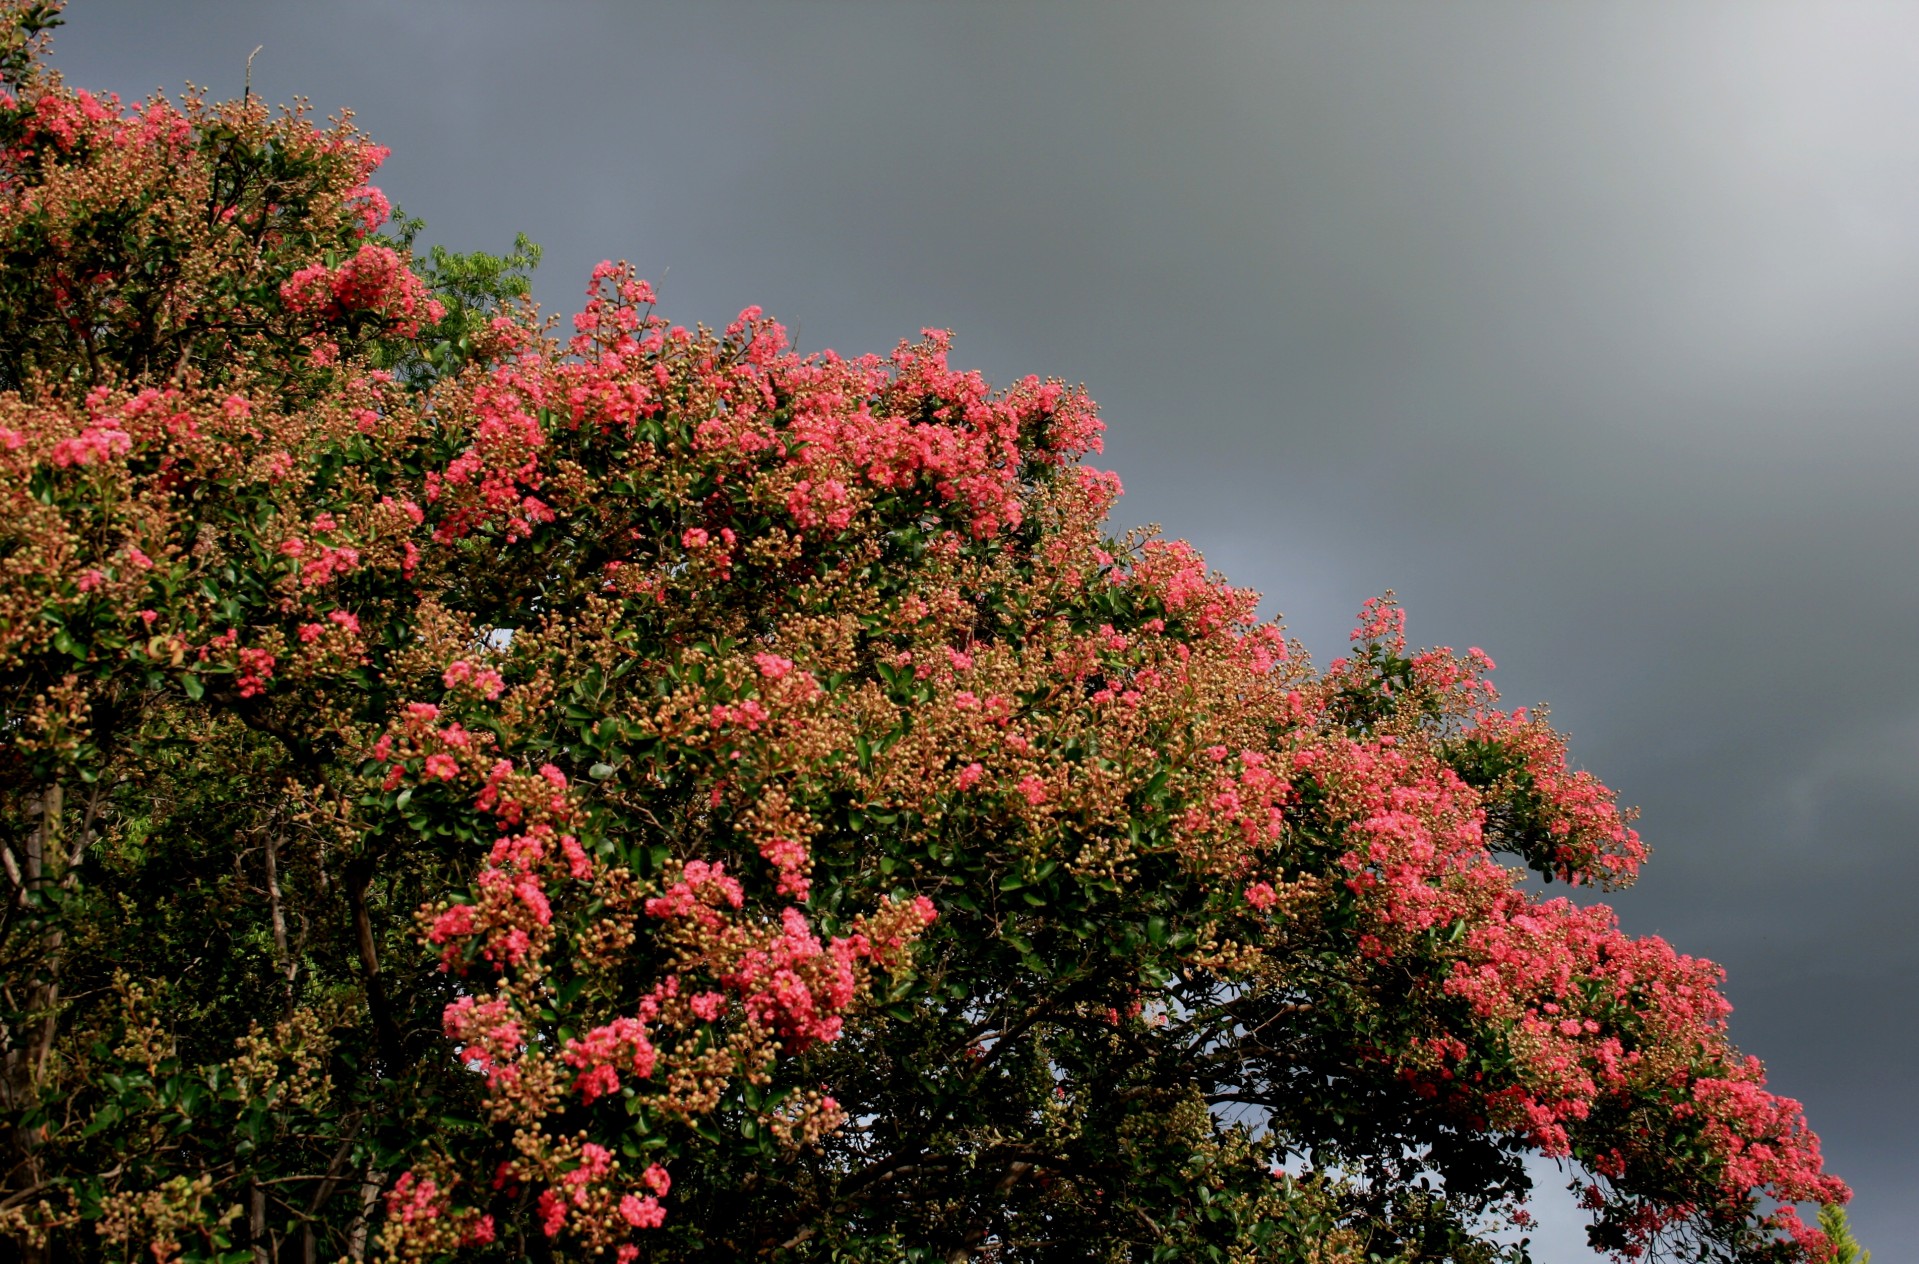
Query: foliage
{"points": [[472, 288], [1845, 1247], [472, 794]]}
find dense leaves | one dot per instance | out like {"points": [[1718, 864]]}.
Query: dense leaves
{"points": [[468, 793]]}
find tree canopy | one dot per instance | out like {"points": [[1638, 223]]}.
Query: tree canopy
{"points": [[473, 789]]}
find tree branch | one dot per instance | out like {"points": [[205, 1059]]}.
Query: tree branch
{"points": [[359, 877]]}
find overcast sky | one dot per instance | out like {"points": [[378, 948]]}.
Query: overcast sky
{"points": [[1592, 329]]}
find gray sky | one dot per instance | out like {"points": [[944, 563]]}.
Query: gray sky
{"points": [[1588, 328]]}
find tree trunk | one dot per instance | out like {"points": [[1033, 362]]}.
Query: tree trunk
{"points": [[359, 877], [257, 1222], [369, 1198], [26, 1060]]}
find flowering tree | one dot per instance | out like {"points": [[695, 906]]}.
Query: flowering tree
{"points": [[473, 794]]}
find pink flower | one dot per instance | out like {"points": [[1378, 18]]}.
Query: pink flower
{"points": [[96, 443], [256, 668], [455, 922], [552, 1208], [596, 1082], [442, 766], [577, 862], [642, 1213]]}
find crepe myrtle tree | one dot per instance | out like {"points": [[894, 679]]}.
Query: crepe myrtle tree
{"points": [[476, 793]]}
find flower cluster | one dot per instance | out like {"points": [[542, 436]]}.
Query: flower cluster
{"points": [[374, 282]]}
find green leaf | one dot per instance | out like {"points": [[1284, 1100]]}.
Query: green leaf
{"points": [[105, 1118]]}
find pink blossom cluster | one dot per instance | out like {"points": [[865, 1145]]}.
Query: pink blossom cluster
{"points": [[604, 1052], [117, 423], [1449, 675], [371, 206], [591, 1199], [795, 985], [1244, 799], [699, 893], [1589, 837], [1174, 573], [100, 442], [488, 1036], [1416, 853], [319, 563], [484, 682], [70, 121], [494, 481], [819, 437], [422, 1221], [256, 669], [1381, 619], [512, 916], [1594, 1014], [1589, 1023], [375, 281], [786, 978], [509, 920]]}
